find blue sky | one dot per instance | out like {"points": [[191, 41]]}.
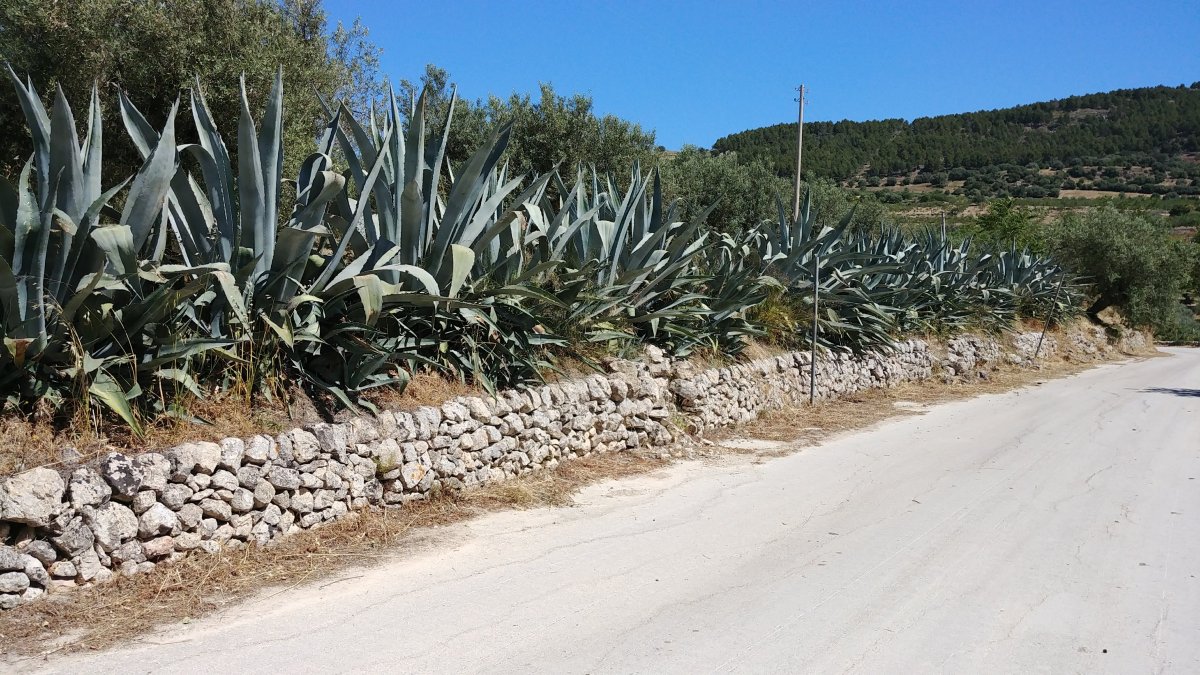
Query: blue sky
{"points": [[695, 71]]}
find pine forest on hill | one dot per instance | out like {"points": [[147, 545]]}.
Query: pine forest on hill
{"points": [[1143, 141]]}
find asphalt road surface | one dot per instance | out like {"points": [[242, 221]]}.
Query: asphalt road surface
{"points": [[1051, 529]]}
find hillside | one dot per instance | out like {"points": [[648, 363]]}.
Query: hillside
{"points": [[1131, 140]]}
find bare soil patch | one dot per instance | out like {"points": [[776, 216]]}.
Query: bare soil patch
{"points": [[1097, 194]]}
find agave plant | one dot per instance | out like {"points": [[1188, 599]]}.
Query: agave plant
{"points": [[289, 283], [631, 268], [447, 247], [802, 255], [90, 306]]}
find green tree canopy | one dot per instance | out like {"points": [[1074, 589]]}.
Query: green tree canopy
{"points": [[744, 194], [553, 130], [1005, 223], [155, 51], [1129, 261]]}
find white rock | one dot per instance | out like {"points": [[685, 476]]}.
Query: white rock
{"points": [[88, 488], [224, 480], [155, 470], [305, 447], [242, 500], [190, 458], [89, 565], [187, 541], [143, 501], [41, 551], [157, 521], [175, 495], [260, 450], [112, 524], [63, 569], [37, 572], [264, 492], [232, 451], [159, 547], [33, 497]]}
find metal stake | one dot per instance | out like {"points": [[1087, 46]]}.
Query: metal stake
{"points": [[1049, 316], [812, 364]]}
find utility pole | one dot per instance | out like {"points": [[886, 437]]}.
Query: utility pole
{"points": [[799, 154]]}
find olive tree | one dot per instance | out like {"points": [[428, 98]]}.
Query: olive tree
{"points": [[1129, 262]]}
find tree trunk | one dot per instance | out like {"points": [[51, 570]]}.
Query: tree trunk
{"points": [[1093, 312]]}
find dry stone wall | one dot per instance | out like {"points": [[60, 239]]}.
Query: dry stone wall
{"points": [[739, 393], [63, 528]]}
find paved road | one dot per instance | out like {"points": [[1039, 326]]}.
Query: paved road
{"points": [[1053, 529]]}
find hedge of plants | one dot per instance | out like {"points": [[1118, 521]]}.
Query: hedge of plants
{"points": [[209, 269]]}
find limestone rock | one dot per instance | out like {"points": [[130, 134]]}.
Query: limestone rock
{"points": [[88, 488], [249, 476], [156, 521], [187, 541], [129, 552], [89, 565], [160, 547], [33, 497], [331, 437], [143, 501], [11, 560], [122, 475], [112, 524], [259, 450], [232, 451], [284, 479], [13, 582], [175, 495], [224, 480], [242, 500], [76, 538], [155, 470], [189, 516], [41, 551], [36, 571], [264, 492], [63, 569], [191, 458], [305, 447], [215, 508]]}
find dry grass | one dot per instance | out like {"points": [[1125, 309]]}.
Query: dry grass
{"points": [[128, 607], [38, 440], [805, 425], [424, 389]]}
